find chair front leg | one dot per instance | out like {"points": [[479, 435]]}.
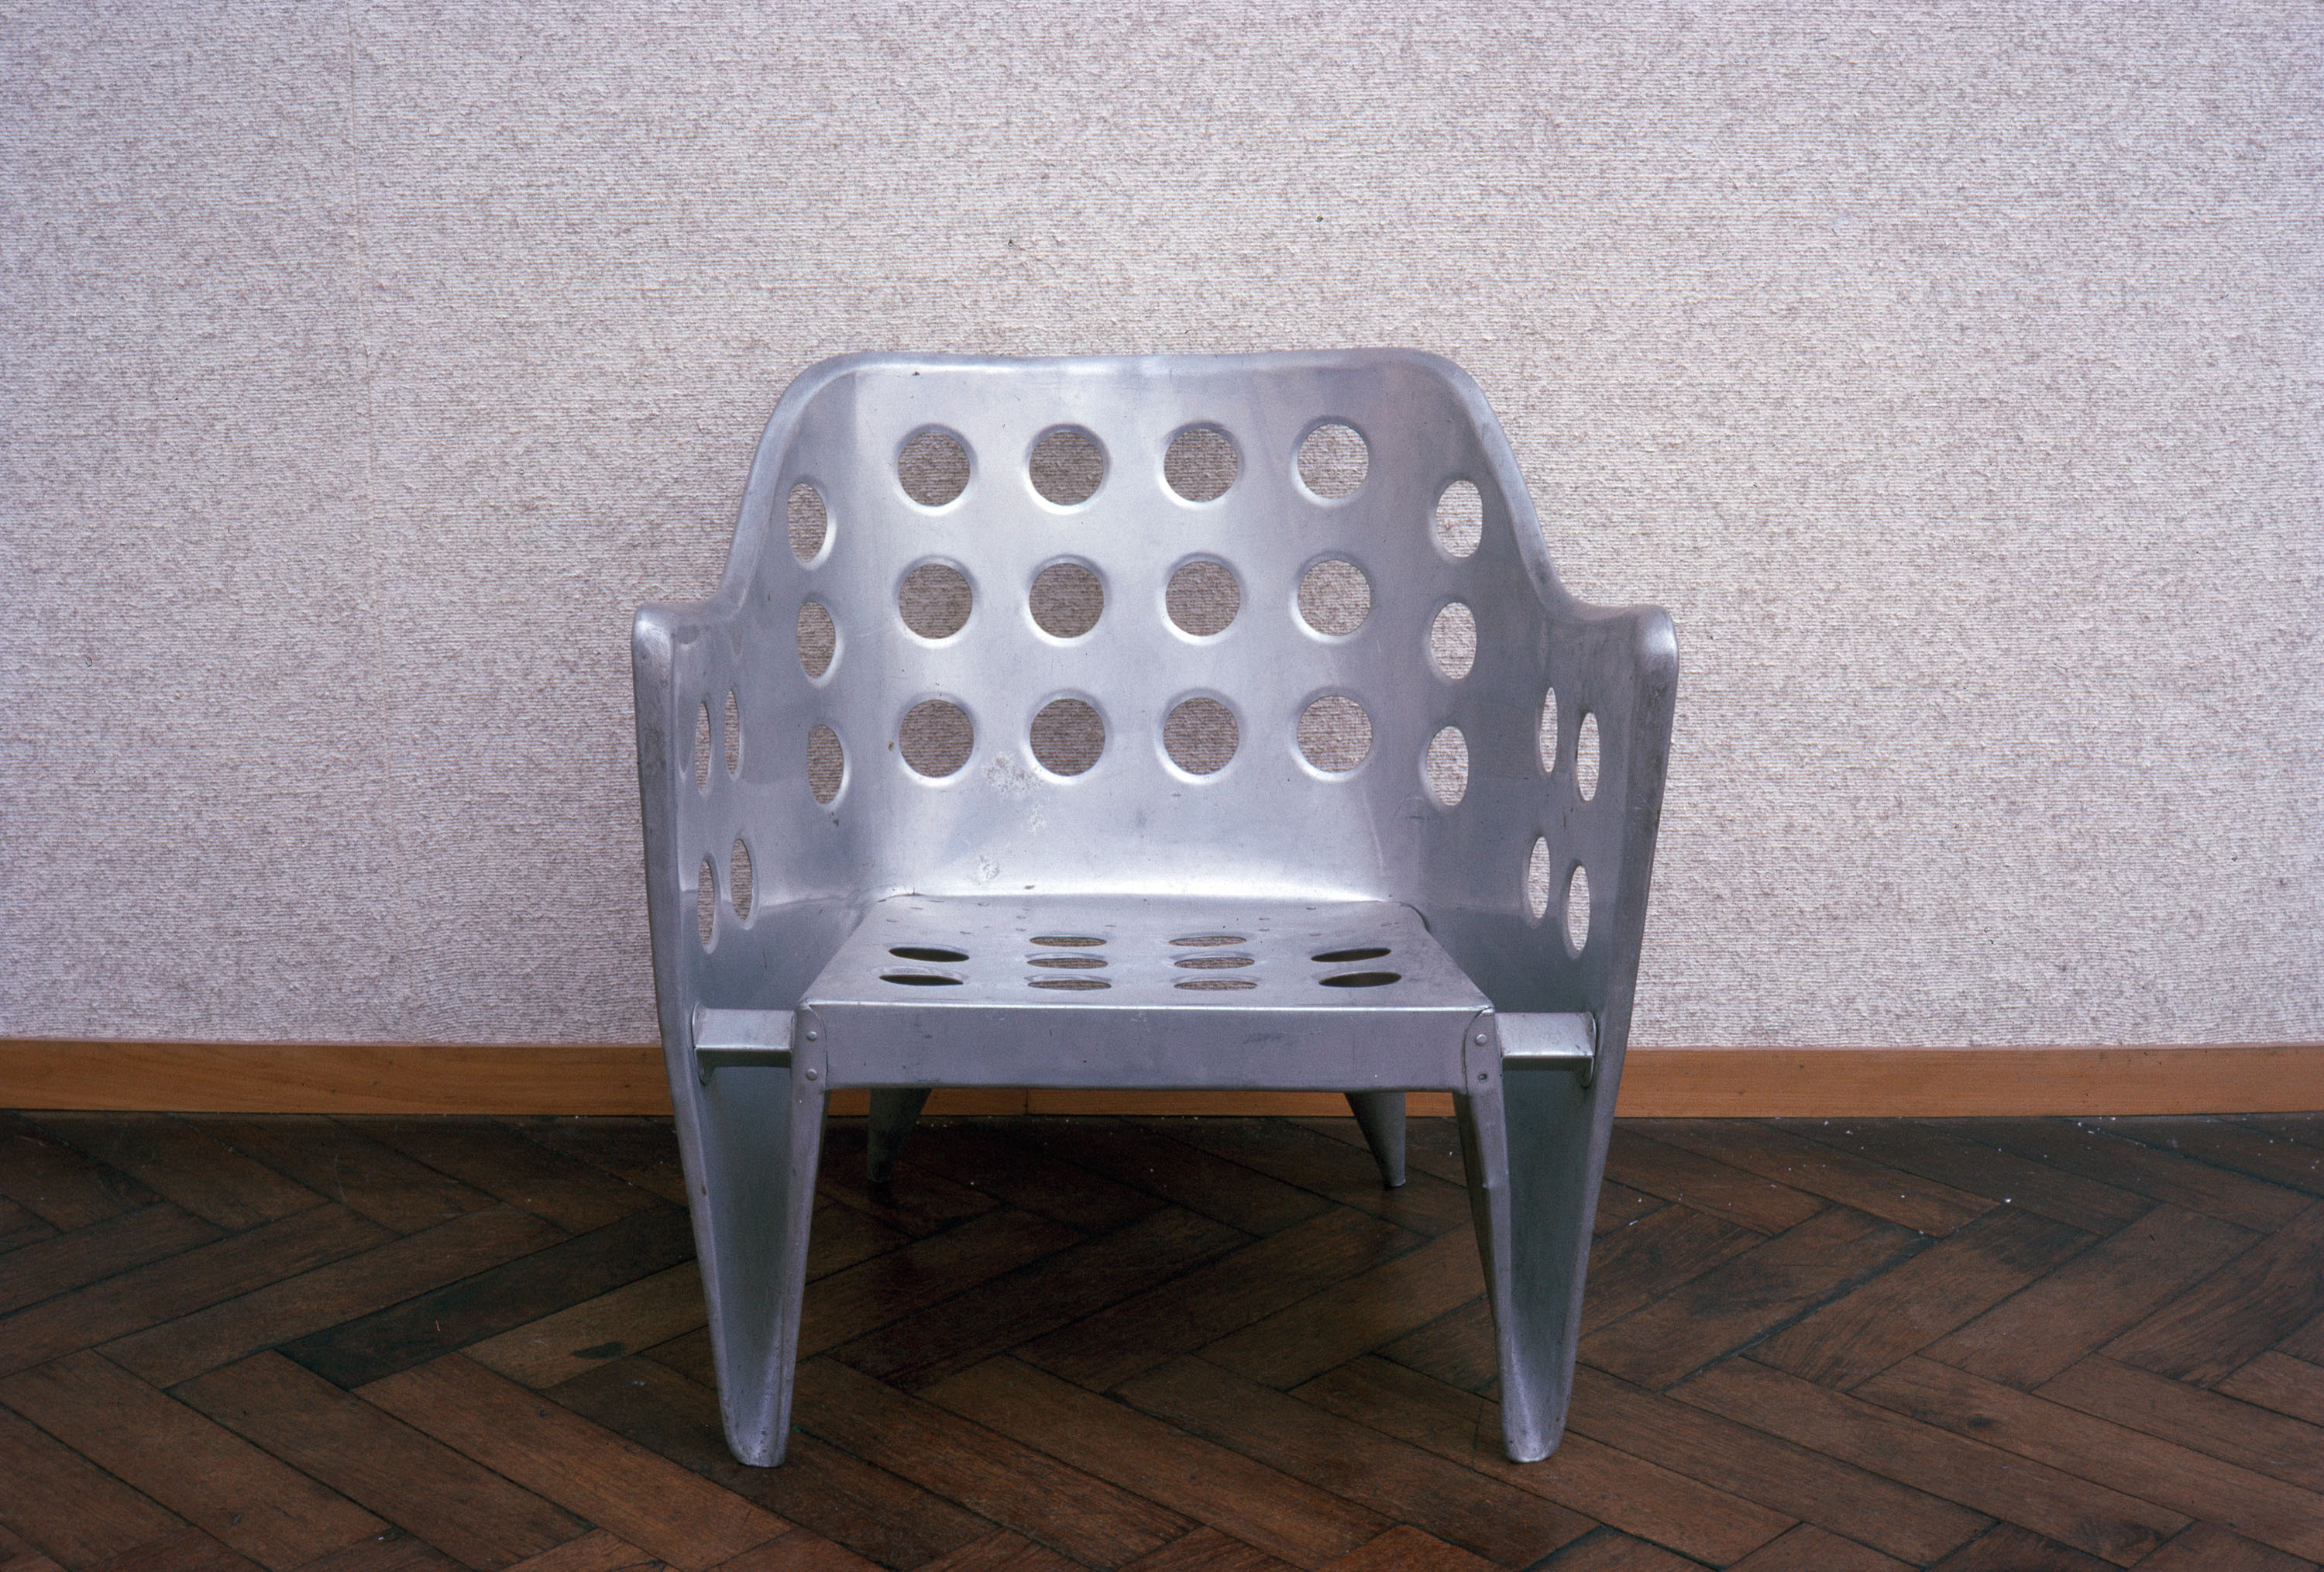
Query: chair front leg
{"points": [[1534, 1141], [751, 1136]]}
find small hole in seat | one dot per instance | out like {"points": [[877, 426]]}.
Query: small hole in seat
{"points": [[818, 638], [936, 737], [809, 521], [1218, 984], [734, 734], [826, 764], [1453, 641], [932, 468], [706, 900], [1066, 601], [1585, 758], [738, 877], [702, 746], [1447, 768], [1067, 963], [1545, 737], [1067, 736], [1335, 734], [1201, 736], [1341, 956], [1460, 519], [1362, 979], [926, 952], [1067, 467], [1209, 940], [935, 600], [920, 979], [1076, 984], [1332, 461], [1201, 464], [1335, 597], [1537, 879], [1066, 940], [1212, 963], [1202, 598], [1577, 910]]}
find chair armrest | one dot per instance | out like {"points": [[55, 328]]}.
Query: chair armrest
{"points": [[1621, 665]]}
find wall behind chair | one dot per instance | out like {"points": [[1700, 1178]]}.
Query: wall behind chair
{"points": [[1950, 374]]}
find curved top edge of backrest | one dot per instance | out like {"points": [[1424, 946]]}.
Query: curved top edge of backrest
{"points": [[759, 502]]}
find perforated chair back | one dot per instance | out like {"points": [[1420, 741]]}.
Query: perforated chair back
{"points": [[1097, 721]]}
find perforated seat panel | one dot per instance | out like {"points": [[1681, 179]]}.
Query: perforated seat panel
{"points": [[1127, 990]]}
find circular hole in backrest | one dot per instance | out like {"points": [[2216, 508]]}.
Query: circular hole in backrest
{"points": [[920, 979], [738, 878], [1066, 600], [933, 467], [706, 900], [936, 737], [1334, 597], [1361, 979], [702, 745], [1066, 940], [1460, 519], [1536, 879], [1203, 597], [1200, 736], [1067, 466], [1545, 736], [1453, 641], [1577, 909], [1201, 464], [1208, 940], [1585, 758], [1332, 461], [935, 600], [1068, 985], [1071, 961], [1067, 736], [818, 638], [1335, 734], [1213, 961], [926, 952], [809, 521], [1447, 767], [1335, 957], [1218, 984], [734, 730], [826, 764]]}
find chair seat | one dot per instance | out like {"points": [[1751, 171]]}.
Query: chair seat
{"points": [[1137, 991]]}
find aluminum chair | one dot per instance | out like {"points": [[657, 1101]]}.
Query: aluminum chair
{"points": [[1145, 723]]}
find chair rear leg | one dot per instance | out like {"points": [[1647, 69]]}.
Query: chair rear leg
{"points": [[1535, 1144], [894, 1111], [751, 1139], [1381, 1116]]}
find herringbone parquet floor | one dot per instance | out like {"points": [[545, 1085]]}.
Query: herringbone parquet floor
{"points": [[403, 1346]]}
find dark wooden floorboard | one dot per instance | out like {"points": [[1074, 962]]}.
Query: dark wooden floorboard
{"points": [[314, 1345]]}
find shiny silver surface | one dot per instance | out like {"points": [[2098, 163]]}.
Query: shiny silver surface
{"points": [[1068, 596]]}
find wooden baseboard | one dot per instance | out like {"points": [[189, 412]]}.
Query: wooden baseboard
{"points": [[1658, 1083]]}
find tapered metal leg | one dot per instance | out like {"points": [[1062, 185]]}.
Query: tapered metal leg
{"points": [[1535, 1144], [1380, 1114], [893, 1112], [751, 1138]]}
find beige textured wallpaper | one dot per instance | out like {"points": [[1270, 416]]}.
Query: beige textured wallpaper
{"points": [[1951, 373]]}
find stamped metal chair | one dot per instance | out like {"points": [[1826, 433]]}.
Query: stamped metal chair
{"points": [[1145, 723]]}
